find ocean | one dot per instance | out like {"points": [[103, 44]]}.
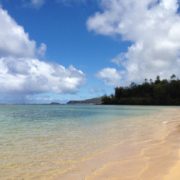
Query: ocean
{"points": [[39, 141]]}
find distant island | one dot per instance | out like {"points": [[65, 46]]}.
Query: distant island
{"points": [[95, 101], [158, 92], [55, 103]]}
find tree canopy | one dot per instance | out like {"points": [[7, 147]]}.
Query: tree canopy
{"points": [[158, 92]]}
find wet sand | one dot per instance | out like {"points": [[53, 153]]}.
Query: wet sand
{"points": [[152, 154]]}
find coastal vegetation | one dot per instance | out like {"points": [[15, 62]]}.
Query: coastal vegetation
{"points": [[96, 101], [158, 92]]}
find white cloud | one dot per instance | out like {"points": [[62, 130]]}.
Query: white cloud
{"points": [[110, 76], [13, 39], [22, 73], [42, 50], [152, 27]]}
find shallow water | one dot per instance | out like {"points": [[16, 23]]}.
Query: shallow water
{"points": [[38, 141]]}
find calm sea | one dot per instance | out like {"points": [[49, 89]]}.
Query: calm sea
{"points": [[39, 140]]}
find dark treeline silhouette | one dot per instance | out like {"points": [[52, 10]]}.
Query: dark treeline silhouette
{"points": [[158, 92]]}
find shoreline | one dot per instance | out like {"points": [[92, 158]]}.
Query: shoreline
{"points": [[156, 158]]}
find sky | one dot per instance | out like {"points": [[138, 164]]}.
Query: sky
{"points": [[59, 50]]}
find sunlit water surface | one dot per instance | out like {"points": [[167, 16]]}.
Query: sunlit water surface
{"points": [[40, 140]]}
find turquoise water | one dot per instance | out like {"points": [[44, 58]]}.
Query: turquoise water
{"points": [[38, 140]]}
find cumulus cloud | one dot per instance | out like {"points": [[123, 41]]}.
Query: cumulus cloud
{"points": [[110, 76], [22, 73], [42, 49], [152, 27], [13, 39]]}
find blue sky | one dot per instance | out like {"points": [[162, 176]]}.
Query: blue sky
{"points": [[63, 29], [108, 44]]}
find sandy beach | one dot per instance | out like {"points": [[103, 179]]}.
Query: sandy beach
{"points": [[154, 157], [90, 143]]}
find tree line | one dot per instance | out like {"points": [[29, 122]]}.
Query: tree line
{"points": [[157, 92]]}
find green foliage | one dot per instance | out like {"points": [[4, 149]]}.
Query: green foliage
{"points": [[158, 92]]}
